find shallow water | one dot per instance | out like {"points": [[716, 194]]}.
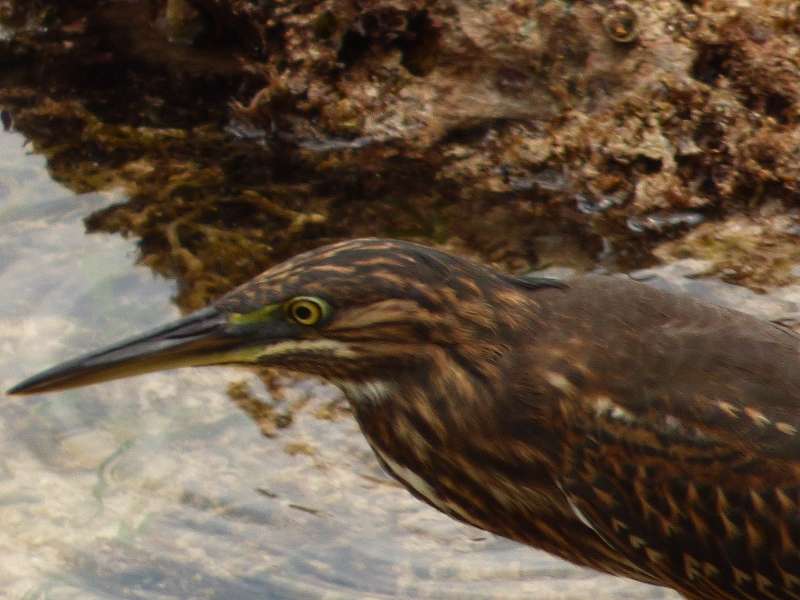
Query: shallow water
{"points": [[158, 487]]}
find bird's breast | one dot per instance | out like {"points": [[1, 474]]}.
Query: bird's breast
{"points": [[421, 488], [511, 497]]}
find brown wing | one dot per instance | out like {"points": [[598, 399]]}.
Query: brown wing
{"points": [[730, 535], [681, 446]]}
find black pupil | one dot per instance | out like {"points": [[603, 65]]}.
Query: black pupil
{"points": [[303, 313]]}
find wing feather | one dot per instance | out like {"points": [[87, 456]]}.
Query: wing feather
{"points": [[680, 446]]}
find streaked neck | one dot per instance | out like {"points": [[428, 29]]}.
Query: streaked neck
{"points": [[372, 392]]}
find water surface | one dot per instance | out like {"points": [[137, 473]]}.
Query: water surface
{"points": [[158, 487]]}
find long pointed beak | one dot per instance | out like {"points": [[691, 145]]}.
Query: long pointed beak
{"points": [[202, 338]]}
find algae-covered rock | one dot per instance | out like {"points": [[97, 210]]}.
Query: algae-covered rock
{"points": [[488, 126]]}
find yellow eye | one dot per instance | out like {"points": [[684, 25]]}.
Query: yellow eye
{"points": [[307, 311]]}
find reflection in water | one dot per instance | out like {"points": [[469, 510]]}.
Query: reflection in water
{"points": [[157, 487]]}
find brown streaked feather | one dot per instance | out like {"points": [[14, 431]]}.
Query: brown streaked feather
{"points": [[719, 373], [686, 461]]}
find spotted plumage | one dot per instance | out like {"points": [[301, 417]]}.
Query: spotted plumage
{"points": [[620, 427]]}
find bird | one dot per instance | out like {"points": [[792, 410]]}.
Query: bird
{"points": [[623, 428]]}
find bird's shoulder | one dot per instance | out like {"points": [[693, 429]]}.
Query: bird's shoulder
{"points": [[609, 347]]}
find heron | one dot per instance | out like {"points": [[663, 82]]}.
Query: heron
{"points": [[620, 427]]}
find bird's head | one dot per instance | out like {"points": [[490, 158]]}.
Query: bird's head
{"points": [[353, 312]]}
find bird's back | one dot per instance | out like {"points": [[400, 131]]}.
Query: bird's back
{"points": [[679, 433], [655, 353]]}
